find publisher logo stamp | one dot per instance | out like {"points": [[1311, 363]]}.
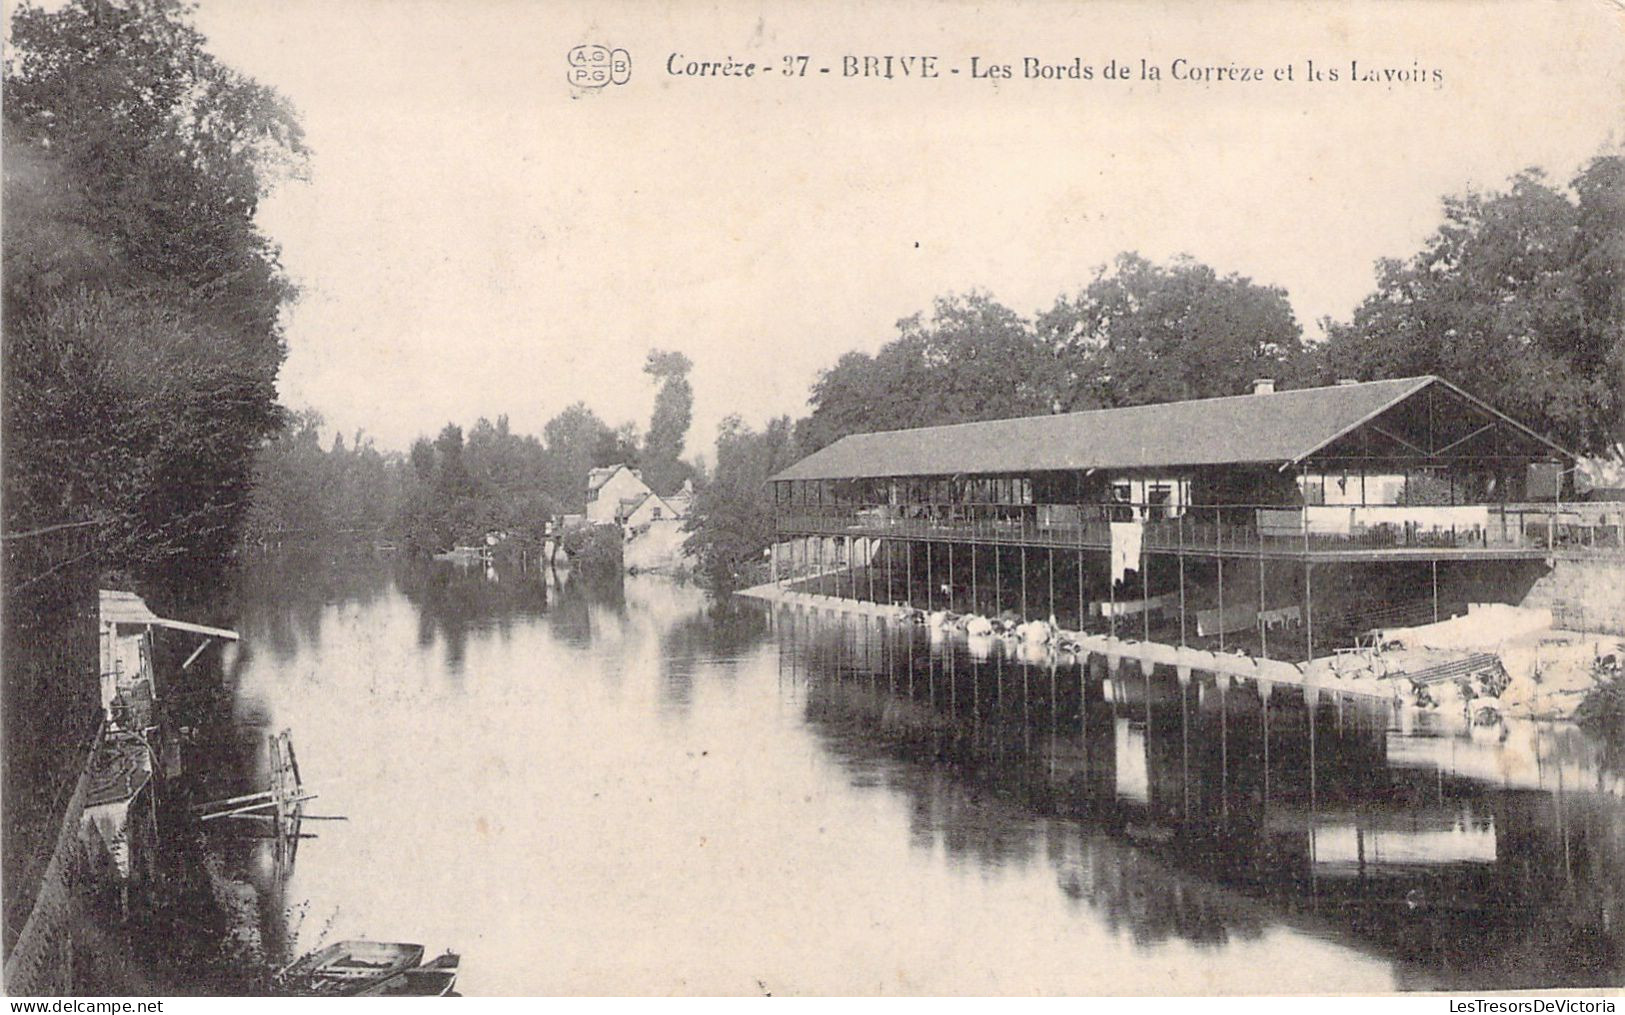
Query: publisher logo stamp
{"points": [[597, 66]]}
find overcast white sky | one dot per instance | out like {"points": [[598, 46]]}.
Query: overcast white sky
{"points": [[477, 237]]}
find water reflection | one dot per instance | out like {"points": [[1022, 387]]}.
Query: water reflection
{"points": [[1204, 809], [627, 788]]}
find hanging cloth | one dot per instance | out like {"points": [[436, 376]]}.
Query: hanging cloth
{"points": [[1126, 537]]}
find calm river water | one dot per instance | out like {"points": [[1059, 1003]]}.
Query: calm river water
{"points": [[627, 789]]}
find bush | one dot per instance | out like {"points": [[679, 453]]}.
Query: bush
{"points": [[1602, 712], [595, 549]]}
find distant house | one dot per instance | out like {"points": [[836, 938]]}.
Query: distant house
{"points": [[683, 500], [617, 494], [608, 488], [645, 508]]}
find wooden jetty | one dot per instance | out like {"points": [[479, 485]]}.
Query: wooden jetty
{"points": [[280, 808]]}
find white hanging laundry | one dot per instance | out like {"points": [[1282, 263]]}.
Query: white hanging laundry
{"points": [[1126, 537]]}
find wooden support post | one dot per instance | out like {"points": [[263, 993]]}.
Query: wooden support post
{"points": [[1264, 689], [1222, 682], [908, 591], [1145, 602], [1111, 596], [1024, 573], [1435, 563], [1218, 563], [1309, 609], [1051, 570], [1081, 605], [950, 605], [1181, 581], [1263, 632], [998, 552], [930, 584], [975, 600]]}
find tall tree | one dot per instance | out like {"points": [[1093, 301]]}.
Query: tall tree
{"points": [[731, 523], [661, 461], [141, 301], [141, 341], [573, 439], [1140, 332], [1516, 297], [973, 359], [1599, 257]]}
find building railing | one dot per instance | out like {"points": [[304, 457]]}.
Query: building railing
{"points": [[1237, 528]]}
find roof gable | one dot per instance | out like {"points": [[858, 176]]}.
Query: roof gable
{"points": [[1280, 427]]}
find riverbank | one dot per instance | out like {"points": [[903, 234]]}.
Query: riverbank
{"points": [[125, 899]]}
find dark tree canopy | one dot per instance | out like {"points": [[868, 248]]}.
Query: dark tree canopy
{"points": [[168, 150], [1517, 298], [574, 439], [141, 344], [1141, 332], [141, 301], [731, 523], [661, 461], [973, 359]]}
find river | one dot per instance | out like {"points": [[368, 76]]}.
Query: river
{"points": [[623, 788]]}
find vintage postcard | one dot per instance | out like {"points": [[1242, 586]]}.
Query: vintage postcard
{"points": [[515, 498]]}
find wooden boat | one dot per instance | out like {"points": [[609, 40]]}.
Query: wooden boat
{"points": [[349, 966], [432, 979]]}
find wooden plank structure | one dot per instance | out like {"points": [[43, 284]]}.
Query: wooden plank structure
{"points": [[1478, 662], [280, 808]]}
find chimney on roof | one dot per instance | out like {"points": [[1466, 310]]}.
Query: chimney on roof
{"points": [[1344, 382], [1264, 386]]}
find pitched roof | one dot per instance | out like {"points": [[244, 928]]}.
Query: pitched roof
{"points": [[599, 476], [119, 607], [1282, 426]]}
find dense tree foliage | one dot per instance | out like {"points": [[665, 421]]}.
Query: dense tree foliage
{"points": [[141, 301], [577, 440], [141, 346], [1141, 332], [661, 460], [1138, 332], [731, 523], [973, 359], [457, 490], [302, 490], [1517, 297]]}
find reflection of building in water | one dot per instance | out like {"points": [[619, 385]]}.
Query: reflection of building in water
{"points": [[1520, 755], [1370, 844], [1192, 808], [1133, 780]]}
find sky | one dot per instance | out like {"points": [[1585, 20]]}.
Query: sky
{"points": [[478, 236]]}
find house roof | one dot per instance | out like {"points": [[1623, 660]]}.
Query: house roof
{"points": [[601, 475], [1282, 426], [118, 607]]}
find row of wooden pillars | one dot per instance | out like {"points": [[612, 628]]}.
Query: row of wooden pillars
{"points": [[851, 566]]}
